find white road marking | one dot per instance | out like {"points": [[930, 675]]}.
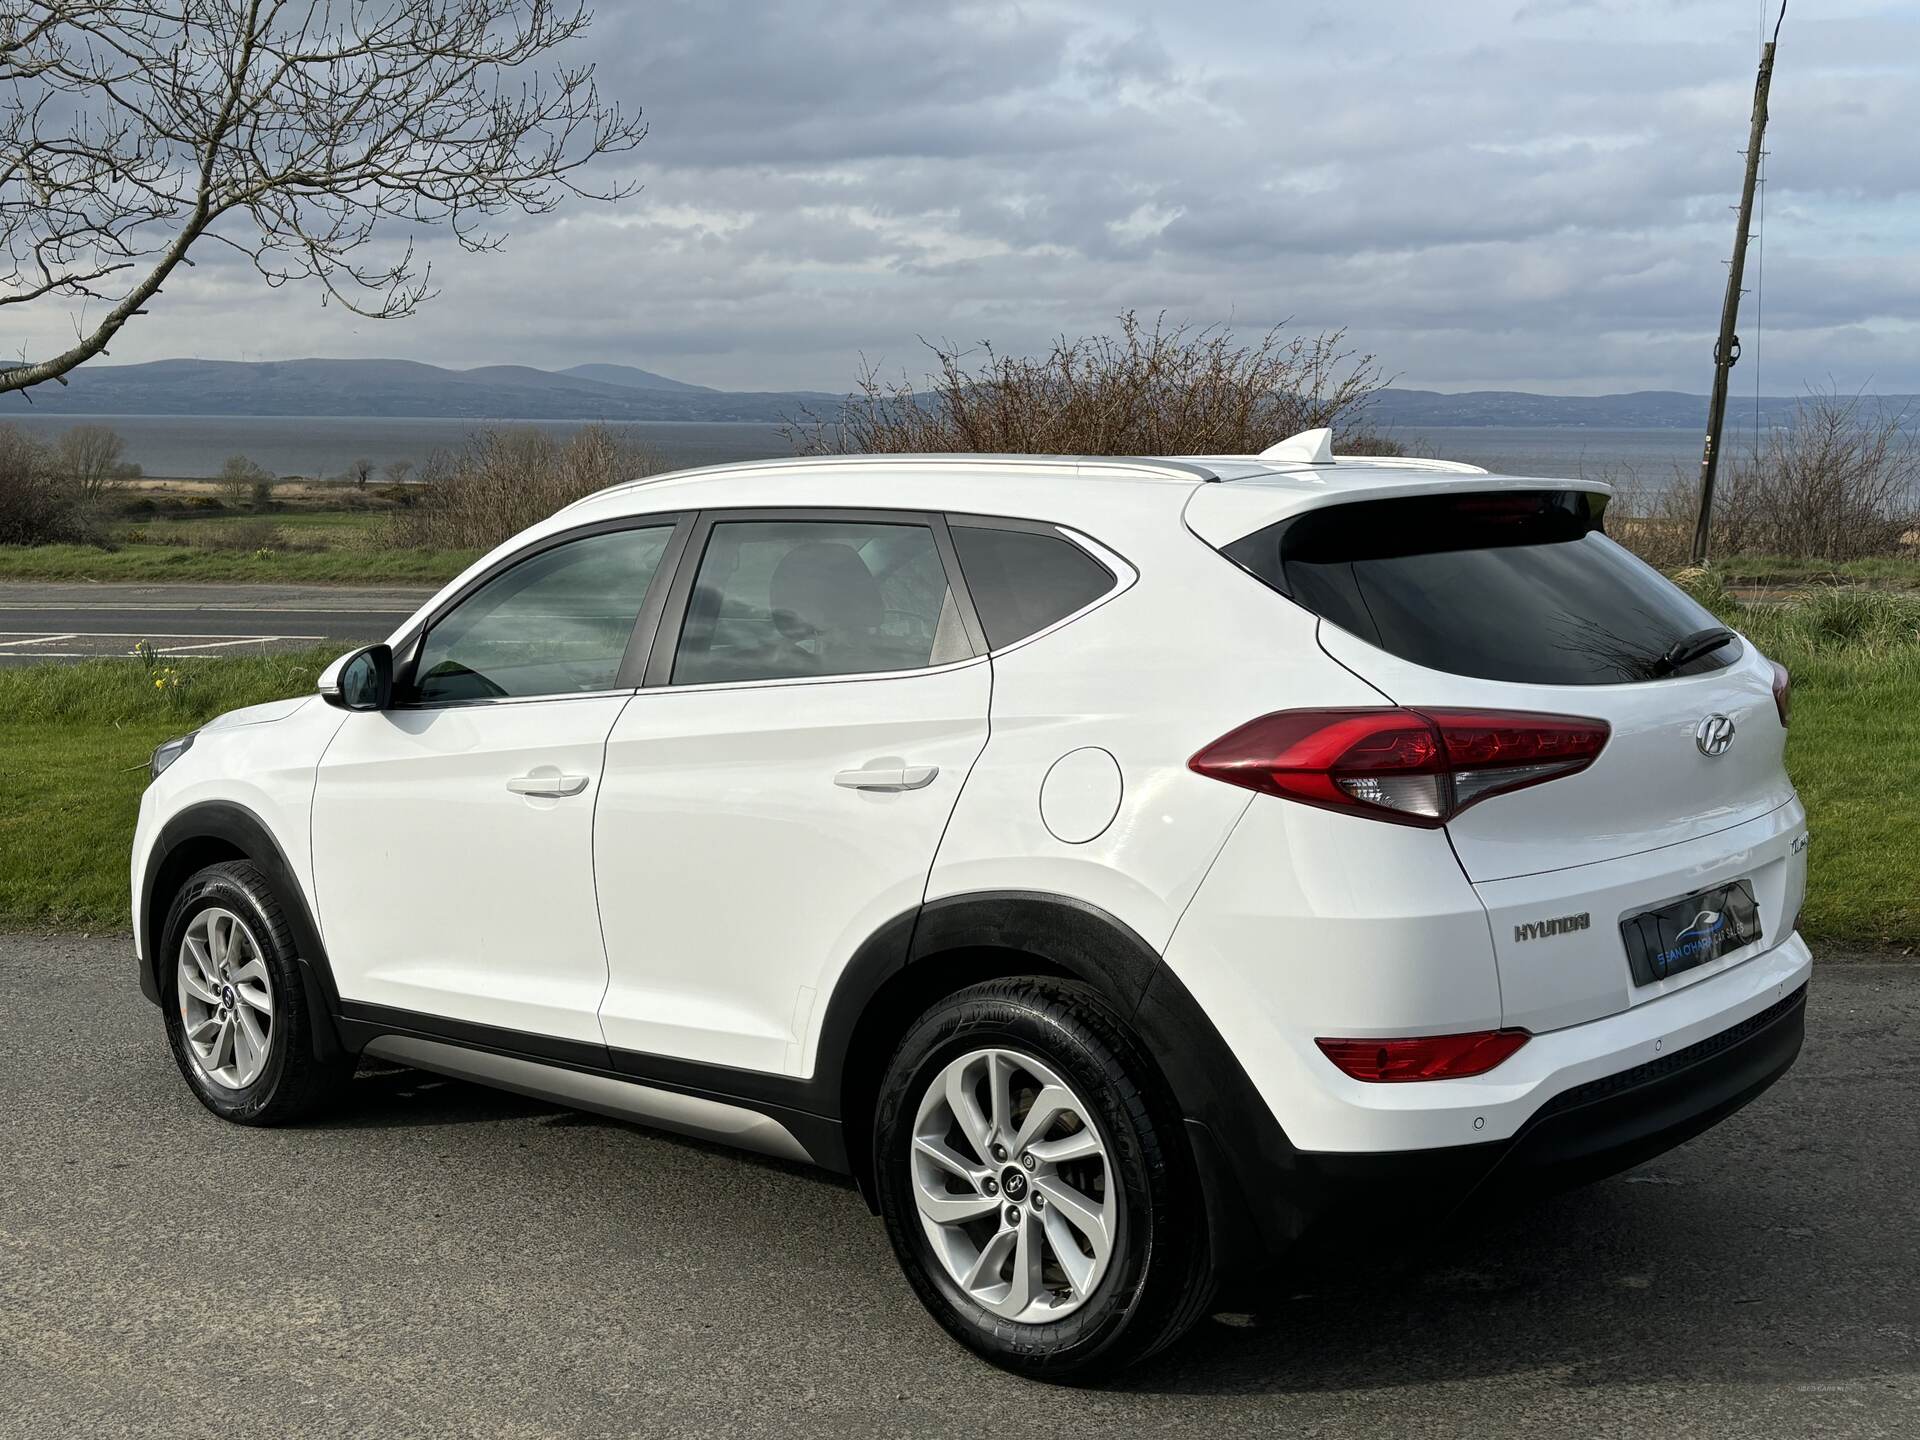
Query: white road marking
{"points": [[39, 639], [236, 640], [122, 607], [150, 634]]}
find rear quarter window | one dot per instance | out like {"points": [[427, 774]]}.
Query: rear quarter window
{"points": [[1519, 586], [1025, 580]]}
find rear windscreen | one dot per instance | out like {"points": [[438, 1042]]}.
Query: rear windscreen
{"points": [[1507, 586]]}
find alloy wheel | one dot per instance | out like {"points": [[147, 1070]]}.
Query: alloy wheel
{"points": [[226, 999], [1015, 1190]]}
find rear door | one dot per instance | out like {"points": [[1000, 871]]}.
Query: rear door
{"points": [[816, 697], [1519, 601]]}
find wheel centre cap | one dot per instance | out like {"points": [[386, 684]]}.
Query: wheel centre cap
{"points": [[1013, 1183], [226, 997]]}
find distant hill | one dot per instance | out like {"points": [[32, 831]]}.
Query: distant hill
{"points": [[1412, 410], [632, 378], [401, 388], [623, 392]]}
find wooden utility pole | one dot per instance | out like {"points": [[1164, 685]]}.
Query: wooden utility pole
{"points": [[1726, 349]]}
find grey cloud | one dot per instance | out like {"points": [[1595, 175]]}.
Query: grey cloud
{"points": [[1532, 194]]}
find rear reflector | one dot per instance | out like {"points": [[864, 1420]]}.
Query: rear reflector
{"points": [[1426, 1057], [1414, 767]]}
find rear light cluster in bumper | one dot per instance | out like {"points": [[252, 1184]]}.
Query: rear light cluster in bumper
{"points": [[1413, 767], [1424, 1057]]}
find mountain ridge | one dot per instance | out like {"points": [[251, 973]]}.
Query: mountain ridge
{"points": [[385, 387]]}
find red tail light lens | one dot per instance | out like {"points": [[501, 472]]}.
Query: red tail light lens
{"points": [[1426, 1057], [1414, 767], [1782, 692]]}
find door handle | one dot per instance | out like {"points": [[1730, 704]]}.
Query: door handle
{"points": [[897, 777], [547, 787]]}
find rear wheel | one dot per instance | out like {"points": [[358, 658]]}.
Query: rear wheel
{"points": [[1034, 1182], [236, 1008]]}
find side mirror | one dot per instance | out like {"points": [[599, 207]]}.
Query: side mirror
{"points": [[362, 680]]}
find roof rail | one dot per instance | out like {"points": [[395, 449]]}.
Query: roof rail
{"points": [[1412, 462], [1168, 468]]}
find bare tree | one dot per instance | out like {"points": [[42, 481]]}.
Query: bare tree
{"points": [[1168, 390], [360, 471], [241, 479], [88, 460], [395, 472], [296, 132]]}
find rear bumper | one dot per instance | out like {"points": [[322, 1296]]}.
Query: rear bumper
{"points": [[1593, 1130], [1265, 1195]]}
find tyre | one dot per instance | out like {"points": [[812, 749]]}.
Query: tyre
{"points": [[1034, 1179], [236, 1009]]}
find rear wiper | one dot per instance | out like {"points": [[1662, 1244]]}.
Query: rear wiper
{"points": [[1692, 647]]}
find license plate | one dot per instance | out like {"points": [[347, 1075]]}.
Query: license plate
{"points": [[1676, 937]]}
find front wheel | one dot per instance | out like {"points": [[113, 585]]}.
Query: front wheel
{"points": [[1035, 1183], [237, 1016]]}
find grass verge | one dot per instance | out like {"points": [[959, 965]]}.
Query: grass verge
{"points": [[83, 732], [159, 564], [1853, 750]]}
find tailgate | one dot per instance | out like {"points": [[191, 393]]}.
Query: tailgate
{"points": [[1515, 601]]}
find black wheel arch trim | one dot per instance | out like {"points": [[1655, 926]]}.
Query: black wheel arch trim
{"points": [[233, 825]]}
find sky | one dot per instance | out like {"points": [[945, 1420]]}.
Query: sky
{"points": [[1507, 194]]}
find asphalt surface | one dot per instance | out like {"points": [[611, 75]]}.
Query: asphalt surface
{"points": [[443, 1260], [77, 621]]}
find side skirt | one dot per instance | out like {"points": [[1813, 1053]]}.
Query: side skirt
{"points": [[765, 1113], [602, 1094]]}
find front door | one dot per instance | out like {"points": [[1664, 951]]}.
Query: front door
{"points": [[780, 794], [453, 832]]}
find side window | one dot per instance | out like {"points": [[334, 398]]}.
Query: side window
{"points": [[1022, 580], [556, 624], [780, 599]]}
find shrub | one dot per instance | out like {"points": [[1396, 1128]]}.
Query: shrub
{"points": [[245, 535], [1841, 483], [36, 507], [1168, 390], [506, 479]]}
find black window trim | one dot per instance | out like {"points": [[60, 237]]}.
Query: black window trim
{"points": [[665, 638], [627, 678], [1098, 551]]}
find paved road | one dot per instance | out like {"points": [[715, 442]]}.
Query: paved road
{"points": [[60, 621], [438, 1259]]}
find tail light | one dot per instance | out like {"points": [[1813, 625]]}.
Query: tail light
{"points": [[1426, 1057], [1782, 692], [1413, 767]]}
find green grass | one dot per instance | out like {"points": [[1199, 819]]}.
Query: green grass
{"points": [[191, 563], [83, 733], [1853, 751], [1894, 572], [304, 546]]}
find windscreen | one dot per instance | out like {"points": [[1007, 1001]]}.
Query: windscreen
{"points": [[1518, 586]]}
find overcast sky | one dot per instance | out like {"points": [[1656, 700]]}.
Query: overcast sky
{"points": [[1512, 195]]}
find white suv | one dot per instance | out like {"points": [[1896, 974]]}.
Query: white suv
{"points": [[1122, 868]]}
